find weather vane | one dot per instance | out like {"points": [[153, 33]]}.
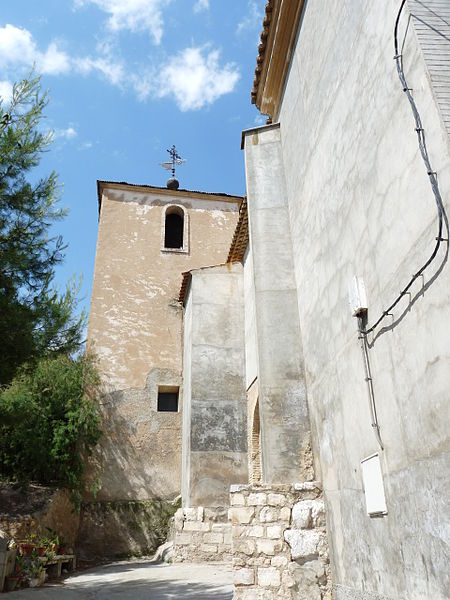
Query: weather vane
{"points": [[175, 161]]}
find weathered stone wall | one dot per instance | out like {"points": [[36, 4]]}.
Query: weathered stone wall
{"points": [[121, 529], [36, 509], [135, 328], [133, 432], [202, 535], [279, 542], [215, 419]]}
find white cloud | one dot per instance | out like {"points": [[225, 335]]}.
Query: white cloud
{"points": [[195, 78], [201, 5], [132, 15], [144, 84], [111, 70], [6, 89], [68, 134], [252, 20], [18, 47], [53, 61]]}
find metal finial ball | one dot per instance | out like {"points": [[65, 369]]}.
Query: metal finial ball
{"points": [[173, 184]]}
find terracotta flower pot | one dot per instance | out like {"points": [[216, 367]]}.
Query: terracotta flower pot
{"points": [[26, 548]]}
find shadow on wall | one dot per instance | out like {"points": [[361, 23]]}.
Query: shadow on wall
{"points": [[122, 529], [139, 454], [413, 299], [134, 464]]}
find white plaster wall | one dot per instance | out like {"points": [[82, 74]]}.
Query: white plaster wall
{"points": [[285, 429], [251, 348], [360, 203], [187, 393], [215, 417]]}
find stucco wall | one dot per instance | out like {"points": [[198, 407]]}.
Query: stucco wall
{"points": [[251, 343], [215, 435], [285, 429], [135, 328], [360, 204]]}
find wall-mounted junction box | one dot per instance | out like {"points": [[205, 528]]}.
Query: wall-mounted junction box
{"points": [[373, 486], [357, 297]]}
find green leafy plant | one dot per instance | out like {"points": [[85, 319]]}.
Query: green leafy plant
{"points": [[51, 539], [34, 569], [19, 566], [49, 422]]}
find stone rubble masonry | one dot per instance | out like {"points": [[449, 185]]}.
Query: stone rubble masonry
{"points": [[279, 542], [202, 534]]}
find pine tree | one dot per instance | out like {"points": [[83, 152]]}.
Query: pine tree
{"points": [[34, 318]]}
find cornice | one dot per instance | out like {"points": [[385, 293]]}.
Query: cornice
{"points": [[280, 24], [164, 191]]}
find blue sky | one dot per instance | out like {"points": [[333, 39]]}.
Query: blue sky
{"points": [[127, 79]]}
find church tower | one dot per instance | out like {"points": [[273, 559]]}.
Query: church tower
{"points": [[148, 237]]}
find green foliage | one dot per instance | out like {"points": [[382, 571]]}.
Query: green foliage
{"points": [[49, 422], [34, 318]]}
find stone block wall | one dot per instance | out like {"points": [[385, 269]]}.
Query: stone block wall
{"points": [[279, 542], [202, 535]]}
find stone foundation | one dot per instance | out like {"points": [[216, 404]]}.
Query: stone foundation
{"points": [[122, 529], [202, 535], [279, 542]]}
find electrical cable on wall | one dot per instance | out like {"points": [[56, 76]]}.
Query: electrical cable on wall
{"points": [[361, 304], [442, 216]]}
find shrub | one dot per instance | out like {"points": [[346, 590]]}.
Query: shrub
{"points": [[49, 422]]}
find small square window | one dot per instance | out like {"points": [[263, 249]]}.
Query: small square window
{"points": [[168, 399]]}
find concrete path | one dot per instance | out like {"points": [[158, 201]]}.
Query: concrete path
{"points": [[139, 581]]}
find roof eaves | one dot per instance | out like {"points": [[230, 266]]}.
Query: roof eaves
{"points": [[262, 48], [186, 280], [240, 239], [185, 283], [281, 25]]}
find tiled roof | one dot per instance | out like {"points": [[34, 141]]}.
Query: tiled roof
{"points": [[236, 254], [184, 286], [262, 48], [240, 238], [278, 38], [186, 279]]}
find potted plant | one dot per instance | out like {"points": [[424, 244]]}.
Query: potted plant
{"points": [[51, 541], [27, 546], [14, 581], [34, 572]]}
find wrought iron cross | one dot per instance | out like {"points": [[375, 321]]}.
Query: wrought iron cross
{"points": [[176, 160]]}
